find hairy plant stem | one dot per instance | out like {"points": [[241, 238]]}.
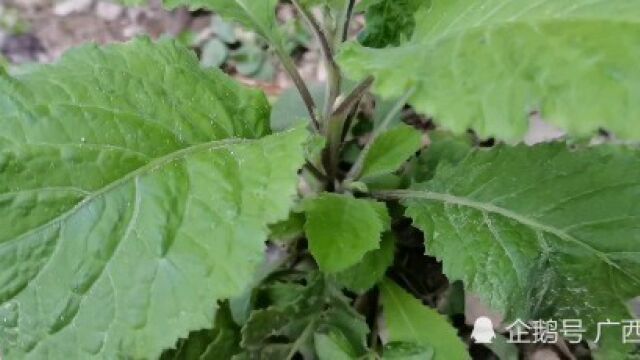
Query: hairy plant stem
{"points": [[356, 169], [334, 78], [295, 76]]}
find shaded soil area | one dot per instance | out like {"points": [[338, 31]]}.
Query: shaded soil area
{"points": [[42, 30]]}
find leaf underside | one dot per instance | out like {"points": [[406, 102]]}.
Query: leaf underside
{"points": [[133, 195], [486, 65], [542, 232]]}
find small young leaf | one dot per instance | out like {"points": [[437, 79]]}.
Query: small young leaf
{"points": [[389, 22], [408, 320], [487, 64], [214, 53], [258, 15], [342, 229], [371, 269], [249, 59], [539, 232], [130, 201], [225, 31], [390, 150]]}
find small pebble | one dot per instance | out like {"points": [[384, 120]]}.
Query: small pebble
{"points": [[69, 7], [109, 11]]}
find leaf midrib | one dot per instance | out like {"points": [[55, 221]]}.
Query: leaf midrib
{"points": [[492, 208], [150, 166], [392, 296]]}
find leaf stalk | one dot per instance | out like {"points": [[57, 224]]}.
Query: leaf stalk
{"points": [[295, 76], [336, 124], [347, 19], [334, 79]]}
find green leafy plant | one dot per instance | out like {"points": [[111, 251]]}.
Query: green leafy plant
{"points": [[150, 209]]}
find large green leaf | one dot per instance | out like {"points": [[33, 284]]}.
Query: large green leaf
{"points": [[487, 64], [128, 201], [408, 320], [542, 232], [342, 229]]}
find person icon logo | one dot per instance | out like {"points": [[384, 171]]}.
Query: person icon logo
{"points": [[483, 331]]}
